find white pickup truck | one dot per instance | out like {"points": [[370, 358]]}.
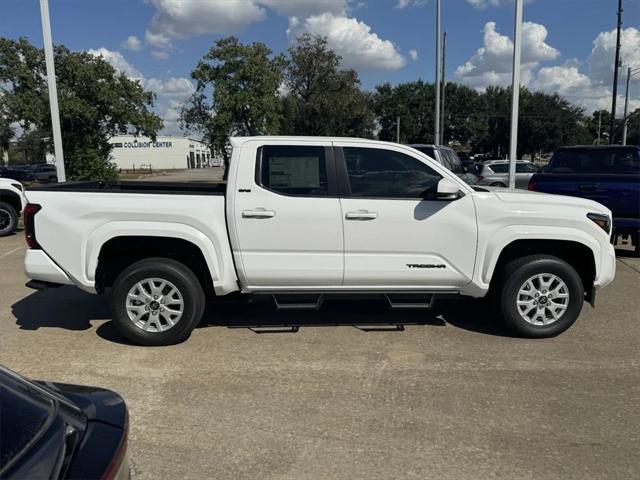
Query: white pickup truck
{"points": [[305, 218], [11, 205]]}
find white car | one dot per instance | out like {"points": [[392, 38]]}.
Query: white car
{"points": [[302, 219], [11, 204]]}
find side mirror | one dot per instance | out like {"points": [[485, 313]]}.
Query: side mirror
{"points": [[448, 190]]}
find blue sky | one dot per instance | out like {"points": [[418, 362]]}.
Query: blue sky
{"points": [[568, 46]]}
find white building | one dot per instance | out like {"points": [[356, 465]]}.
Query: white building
{"points": [[166, 153]]}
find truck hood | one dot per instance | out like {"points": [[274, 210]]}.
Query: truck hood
{"points": [[526, 196]]}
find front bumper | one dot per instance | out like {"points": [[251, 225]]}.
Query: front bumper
{"points": [[607, 267], [38, 266]]}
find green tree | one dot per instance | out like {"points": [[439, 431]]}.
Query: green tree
{"points": [[236, 94], [322, 98], [464, 116], [96, 103], [413, 103]]}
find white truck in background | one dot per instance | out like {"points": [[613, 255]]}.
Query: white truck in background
{"points": [[306, 218], [11, 204]]}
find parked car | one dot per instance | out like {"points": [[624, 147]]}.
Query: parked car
{"points": [[21, 174], [11, 204], [496, 173], [449, 159], [55, 430], [44, 173], [607, 174], [305, 218]]}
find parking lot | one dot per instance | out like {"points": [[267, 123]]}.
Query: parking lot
{"points": [[449, 396]]}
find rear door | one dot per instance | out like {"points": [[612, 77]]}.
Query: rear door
{"points": [[287, 216], [396, 234]]}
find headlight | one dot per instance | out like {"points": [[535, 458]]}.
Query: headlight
{"points": [[17, 185], [603, 221]]}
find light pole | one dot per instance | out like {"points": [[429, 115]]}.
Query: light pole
{"points": [[444, 86], [630, 73], [616, 66], [515, 99], [53, 91], [436, 136]]}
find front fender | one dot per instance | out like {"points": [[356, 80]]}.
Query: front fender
{"points": [[489, 251]]}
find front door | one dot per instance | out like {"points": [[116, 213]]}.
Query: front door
{"points": [[396, 234], [287, 217]]}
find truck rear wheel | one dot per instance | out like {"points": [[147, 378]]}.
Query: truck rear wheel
{"points": [[541, 296], [157, 301], [8, 219]]}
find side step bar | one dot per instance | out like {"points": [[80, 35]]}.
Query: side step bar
{"points": [[399, 301], [298, 302]]}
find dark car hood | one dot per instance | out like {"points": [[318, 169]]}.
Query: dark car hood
{"points": [[97, 404]]}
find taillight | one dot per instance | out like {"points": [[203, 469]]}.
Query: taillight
{"points": [[480, 178], [29, 213], [532, 185]]}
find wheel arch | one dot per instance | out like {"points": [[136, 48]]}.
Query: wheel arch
{"points": [[121, 243], [12, 199], [577, 254]]}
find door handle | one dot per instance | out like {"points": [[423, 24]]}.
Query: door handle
{"points": [[258, 213], [361, 215]]}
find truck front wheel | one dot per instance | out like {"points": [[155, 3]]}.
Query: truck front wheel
{"points": [[541, 296], [157, 301]]}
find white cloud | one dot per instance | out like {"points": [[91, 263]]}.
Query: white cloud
{"points": [[171, 92], [603, 53], [132, 43], [593, 91], [492, 63], [160, 54], [410, 3], [117, 61], [413, 54], [481, 4], [359, 47], [180, 19]]}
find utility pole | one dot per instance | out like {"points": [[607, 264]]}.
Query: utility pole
{"points": [[53, 91], [515, 91], [444, 86], [612, 127], [436, 136], [599, 124], [398, 129]]}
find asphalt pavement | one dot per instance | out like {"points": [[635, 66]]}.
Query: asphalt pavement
{"points": [[351, 395]]}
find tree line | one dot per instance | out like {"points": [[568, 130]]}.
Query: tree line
{"points": [[246, 89]]}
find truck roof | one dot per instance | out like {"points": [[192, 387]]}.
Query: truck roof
{"points": [[239, 141], [597, 147]]}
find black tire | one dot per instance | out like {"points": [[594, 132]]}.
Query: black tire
{"points": [[184, 281], [498, 184], [514, 276], [8, 219]]}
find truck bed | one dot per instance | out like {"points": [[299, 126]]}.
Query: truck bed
{"points": [[165, 188]]}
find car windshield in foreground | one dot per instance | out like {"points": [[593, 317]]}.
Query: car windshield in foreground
{"points": [[601, 160], [24, 417]]}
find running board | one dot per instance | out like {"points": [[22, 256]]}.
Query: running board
{"points": [[298, 302], [399, 301]]}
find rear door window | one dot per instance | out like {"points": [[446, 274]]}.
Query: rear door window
{"points": [[294, 170], [500, 168], [525, 168]]}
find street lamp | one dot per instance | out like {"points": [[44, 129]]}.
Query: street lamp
{"points": [[630, 73]]}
